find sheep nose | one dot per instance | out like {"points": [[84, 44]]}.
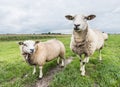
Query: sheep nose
{"points": [[76, 25], [32, 50]]}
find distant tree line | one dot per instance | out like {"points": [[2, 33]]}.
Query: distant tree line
{"points": [[49, 33]]}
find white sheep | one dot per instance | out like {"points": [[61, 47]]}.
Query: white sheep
{"points": [[105, 35], [37, 53], [85, 40]]}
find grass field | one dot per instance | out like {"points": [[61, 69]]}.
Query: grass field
{"points": [[98, 74]]}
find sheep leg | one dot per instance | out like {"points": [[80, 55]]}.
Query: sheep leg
{"points": [[40, 73], [63, 62], [58, 60], [87, 59], [100, 57], [82, 67], [34, 70], [81, 63]]}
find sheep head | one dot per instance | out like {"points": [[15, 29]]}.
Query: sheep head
{"points": [[28, 46], [80, 21]]}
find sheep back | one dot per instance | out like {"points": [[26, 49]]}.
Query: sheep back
{"points": [[46, 51]]}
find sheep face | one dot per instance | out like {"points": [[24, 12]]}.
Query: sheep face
{"points": [[80, 21], [28, 46]]}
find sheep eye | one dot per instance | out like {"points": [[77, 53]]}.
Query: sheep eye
{"points": [[85, 18], [25, 45]]}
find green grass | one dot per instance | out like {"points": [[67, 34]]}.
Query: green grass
{"points": [[14, 37], [104, 74], [98, 74]]}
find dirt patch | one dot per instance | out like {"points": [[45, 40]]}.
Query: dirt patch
{"points": [[44, 82]]}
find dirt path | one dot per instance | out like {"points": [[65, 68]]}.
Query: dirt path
{"points": [[44, 82]]}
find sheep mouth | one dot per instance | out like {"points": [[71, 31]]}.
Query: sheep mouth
{"points": [[30, 53], [76, 29], [28, 58]]}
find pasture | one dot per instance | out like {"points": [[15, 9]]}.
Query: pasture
{"points": [[98, 74]]}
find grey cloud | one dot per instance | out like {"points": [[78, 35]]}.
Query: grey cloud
{"points": [[36, 16]]}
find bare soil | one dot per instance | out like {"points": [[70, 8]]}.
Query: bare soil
{"points": [[44, 82]]}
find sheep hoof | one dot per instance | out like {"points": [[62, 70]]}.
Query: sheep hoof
{"points": [[40, 78], [62, 66], [100, 61], [82, 73]]}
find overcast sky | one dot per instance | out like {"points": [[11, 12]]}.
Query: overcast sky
{"points": [[38, 16]]}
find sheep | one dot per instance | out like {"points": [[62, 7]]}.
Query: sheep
{"points": [[105, 35], [37, 53], [85, 40]]}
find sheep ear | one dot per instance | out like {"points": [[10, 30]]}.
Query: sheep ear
{"points": [[37, 42], [69, 17], [90, 17], [20, 43]]}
